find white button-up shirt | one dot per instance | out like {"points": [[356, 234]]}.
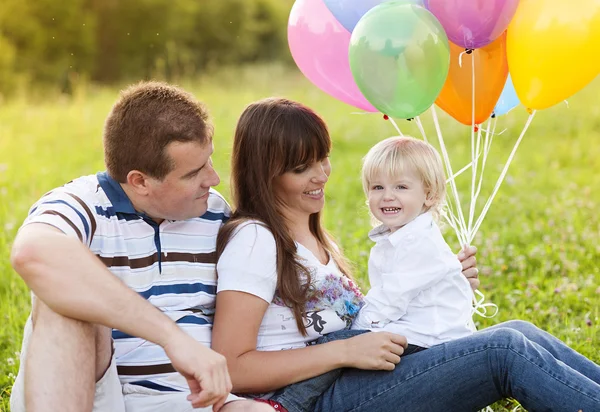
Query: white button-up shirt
{"points": [[417, 286]]}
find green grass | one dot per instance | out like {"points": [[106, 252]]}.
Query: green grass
{"points": [[539, 247]]}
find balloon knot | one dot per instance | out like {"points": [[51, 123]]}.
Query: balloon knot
{"points": [[476, 128], [469, 51], [493, 115], [529, 110], [410, 119], [386, 117]]}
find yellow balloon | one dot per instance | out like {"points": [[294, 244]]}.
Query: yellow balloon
{"points": [[553, 49]]}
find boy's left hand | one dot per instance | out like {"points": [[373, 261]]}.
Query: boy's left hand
{"points": [[469, 265]]}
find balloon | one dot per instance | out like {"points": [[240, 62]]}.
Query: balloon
{"points": [[399, 57], [349, 12], [491, 70], [553, 49], [319, 46], [508, 99], [473, 23]]}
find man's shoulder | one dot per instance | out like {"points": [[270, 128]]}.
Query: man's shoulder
{"points": [[85, 186], [217, 202], [83, 190], [218, 208]]}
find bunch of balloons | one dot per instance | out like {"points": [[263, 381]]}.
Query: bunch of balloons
{"points": [[472, 58]]}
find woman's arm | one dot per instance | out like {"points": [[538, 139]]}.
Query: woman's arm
{"points": [[237, 321]]}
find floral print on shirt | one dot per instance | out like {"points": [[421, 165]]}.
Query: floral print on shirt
{"points": [[335, 292]]}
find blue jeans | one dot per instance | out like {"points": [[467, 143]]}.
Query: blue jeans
{"points": [[510, 360], [302, 396]]}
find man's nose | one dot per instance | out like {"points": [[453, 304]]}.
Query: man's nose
{"points": [[213, 179]]}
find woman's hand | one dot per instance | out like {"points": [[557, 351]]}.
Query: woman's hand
{"points": [[374, 350], [469, 265]]}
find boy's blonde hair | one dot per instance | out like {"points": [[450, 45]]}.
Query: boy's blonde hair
{"points": [[396, 155]]}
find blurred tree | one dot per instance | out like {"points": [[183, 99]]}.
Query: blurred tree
{"points": [[46, 41]]}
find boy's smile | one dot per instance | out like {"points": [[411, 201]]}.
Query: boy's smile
{"points": [[397, 201]]}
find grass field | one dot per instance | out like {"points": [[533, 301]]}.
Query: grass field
{"points": [[539, 247]]}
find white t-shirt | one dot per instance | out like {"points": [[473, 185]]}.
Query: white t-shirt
{"points": [[248, 264], [417, 286]]}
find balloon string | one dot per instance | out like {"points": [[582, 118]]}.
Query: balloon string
{"points": [[446, 158], [471, 234], [396, 126], [448, 214], [481, 308], [460, 56], [460, 172], [421, 129], [487, 145], [474, 148]]}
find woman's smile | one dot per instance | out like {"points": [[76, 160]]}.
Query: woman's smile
{"points": [[315, 194]]}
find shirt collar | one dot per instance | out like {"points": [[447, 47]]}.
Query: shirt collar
{"points": [[420, 223], [115, 193]]}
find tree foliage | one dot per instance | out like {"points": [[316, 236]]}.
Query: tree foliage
{"points": [[50, 42]]}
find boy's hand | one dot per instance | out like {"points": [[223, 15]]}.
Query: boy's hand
{"points": [[469, 265]]}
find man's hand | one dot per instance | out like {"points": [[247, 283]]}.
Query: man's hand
{"points": [[469, 265], [204, 369]]}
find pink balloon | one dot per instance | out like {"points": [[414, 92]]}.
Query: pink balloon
{"points": [[319, 46], [473, 23]]}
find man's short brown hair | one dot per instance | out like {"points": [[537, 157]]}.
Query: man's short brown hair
{"points": [[146, 118]]}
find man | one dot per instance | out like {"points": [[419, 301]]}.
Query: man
{"points": [[130, 249]]}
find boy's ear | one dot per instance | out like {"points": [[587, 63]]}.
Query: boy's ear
{"points": [[430, 200]]}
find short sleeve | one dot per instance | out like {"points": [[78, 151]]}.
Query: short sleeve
{"points": [[65, 211], [249, 262]]}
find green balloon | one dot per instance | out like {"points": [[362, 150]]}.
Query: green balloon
{"points": [[399, 58]]}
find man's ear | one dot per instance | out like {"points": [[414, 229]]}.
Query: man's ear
{"points": [[139, 182]]}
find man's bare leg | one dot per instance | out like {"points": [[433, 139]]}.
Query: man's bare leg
{"points": [[65, 359]]}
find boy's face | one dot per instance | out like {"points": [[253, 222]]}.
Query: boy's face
{"points": [[183, 193], [397, 200]]}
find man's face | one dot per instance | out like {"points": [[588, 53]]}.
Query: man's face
{"points": [[183, 193]]}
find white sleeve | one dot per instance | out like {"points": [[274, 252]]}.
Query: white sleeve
{"points": [[249, 262], [66, 211], [415, 267]]}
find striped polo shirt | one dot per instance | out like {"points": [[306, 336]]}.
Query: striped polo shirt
{"points": [[172, 265]]}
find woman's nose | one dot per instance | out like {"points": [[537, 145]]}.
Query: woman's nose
{"points": [[321, 175]]}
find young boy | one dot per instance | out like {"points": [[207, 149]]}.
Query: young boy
{"points": [[417, 289]]}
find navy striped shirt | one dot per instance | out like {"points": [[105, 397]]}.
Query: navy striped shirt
{"points": [[172, 265]]}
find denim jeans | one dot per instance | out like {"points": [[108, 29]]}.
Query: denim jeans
{"points": [[302, 396], [513, 359]]}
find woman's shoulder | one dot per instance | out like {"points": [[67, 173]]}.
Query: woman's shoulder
{"points": [[250, 231]]}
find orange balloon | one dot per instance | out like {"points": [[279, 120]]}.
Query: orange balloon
{"points": [[491, 71]]}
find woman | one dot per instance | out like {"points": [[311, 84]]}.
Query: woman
{"points": [[282, 283]]}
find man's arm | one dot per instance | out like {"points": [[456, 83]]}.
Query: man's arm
{"points": [[67, 277]]}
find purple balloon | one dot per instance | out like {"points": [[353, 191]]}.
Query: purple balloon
{"points": [[473, 23]]}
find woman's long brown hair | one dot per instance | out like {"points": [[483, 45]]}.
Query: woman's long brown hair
{"points": [[274, 136]]}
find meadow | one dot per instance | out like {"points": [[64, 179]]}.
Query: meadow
{"points": [[539, 246]]}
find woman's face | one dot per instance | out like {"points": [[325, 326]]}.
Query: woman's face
{"points": [[302, 190]]}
